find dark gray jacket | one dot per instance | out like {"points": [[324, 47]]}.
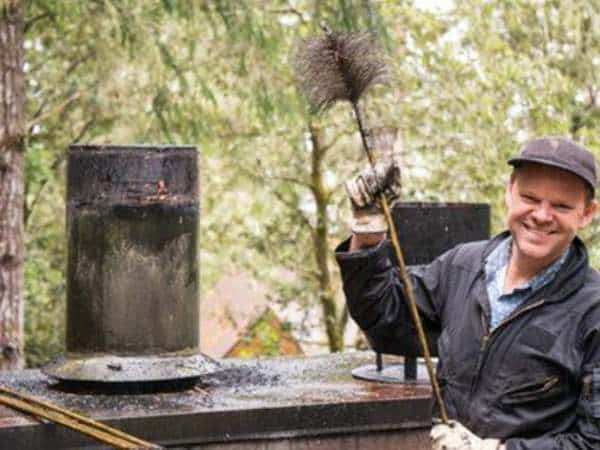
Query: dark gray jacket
{"points": [[533, 382]]}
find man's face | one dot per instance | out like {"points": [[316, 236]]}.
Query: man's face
{"points": [[546, 208]]}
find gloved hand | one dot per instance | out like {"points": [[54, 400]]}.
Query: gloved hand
{"points": [[364, 191], [455, 436]]}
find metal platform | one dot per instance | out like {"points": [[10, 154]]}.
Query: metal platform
{"points": [[394, 373], [310, 401]]}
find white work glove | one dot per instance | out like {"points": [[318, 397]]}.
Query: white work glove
{"points": [[455, 436], [364, 190]]}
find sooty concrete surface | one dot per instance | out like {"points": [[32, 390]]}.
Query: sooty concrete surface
{"points": [[247, 400]]}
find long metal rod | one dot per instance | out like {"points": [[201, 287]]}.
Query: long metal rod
{"points": [[405, 278], [103, 433]]}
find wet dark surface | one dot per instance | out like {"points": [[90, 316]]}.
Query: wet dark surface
{"points": [[240, 384], [266, 396]]}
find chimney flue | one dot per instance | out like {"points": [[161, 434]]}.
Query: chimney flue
{"points": [[132, 275]]}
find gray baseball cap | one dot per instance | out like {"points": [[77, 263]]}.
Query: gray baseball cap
{"points": [[562, 153]]}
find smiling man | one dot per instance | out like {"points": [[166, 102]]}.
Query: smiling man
{"points": [[516, 319]]}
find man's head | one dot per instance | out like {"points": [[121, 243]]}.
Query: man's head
{"points": [[562, 153], [550, 197]]}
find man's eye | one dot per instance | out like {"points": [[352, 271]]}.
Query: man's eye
{"points": [[563, 208], [528, 198]]}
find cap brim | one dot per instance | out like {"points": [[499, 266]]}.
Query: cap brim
{"points": [[519, 160]]}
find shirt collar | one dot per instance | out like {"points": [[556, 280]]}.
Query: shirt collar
{"points": [[499, 258]]}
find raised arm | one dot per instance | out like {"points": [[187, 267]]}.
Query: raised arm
{"points": [[375, 301]]}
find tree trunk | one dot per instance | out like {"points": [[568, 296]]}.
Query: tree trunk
{"points": [[12, 104], [335, 333]]}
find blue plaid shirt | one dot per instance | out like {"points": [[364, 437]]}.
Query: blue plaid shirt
{"points": [[502, 305]]}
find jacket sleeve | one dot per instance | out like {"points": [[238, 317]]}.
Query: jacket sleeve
{"points": [[375, 299], [585, 432]]}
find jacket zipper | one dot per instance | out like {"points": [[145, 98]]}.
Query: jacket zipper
{"points": [[506, 321], [487, 337], [548, 384]]}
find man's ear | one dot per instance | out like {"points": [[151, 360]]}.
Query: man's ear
{"points": [[589, 212], [507, 192]]}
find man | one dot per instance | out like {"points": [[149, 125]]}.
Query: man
{"points": [[517, 318]]}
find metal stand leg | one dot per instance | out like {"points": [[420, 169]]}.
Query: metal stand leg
{"points": [[410, 369]]}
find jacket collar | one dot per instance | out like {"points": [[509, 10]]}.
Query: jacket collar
{"points": [[570, 277]]}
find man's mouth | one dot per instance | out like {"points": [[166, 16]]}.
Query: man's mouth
{"points": [[537, 231]]}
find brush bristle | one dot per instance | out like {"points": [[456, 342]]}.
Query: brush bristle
{"points": [[338, 66]]}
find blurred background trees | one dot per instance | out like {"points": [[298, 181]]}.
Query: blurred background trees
{"points": [[470, 83]]}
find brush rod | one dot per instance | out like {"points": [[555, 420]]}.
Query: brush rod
{"points": [[69, 419], [404, 276]]}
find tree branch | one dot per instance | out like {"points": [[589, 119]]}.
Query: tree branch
{"points": [[303, 218], [60, 108], [291, 180], [28, 209], [289, 10], [30, 23], [84, 130]]}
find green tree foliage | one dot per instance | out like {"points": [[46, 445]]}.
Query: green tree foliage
{"points": [[467, 88], [502, 73]]}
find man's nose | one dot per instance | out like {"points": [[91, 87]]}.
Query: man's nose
{"points": [[542, 213]]}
